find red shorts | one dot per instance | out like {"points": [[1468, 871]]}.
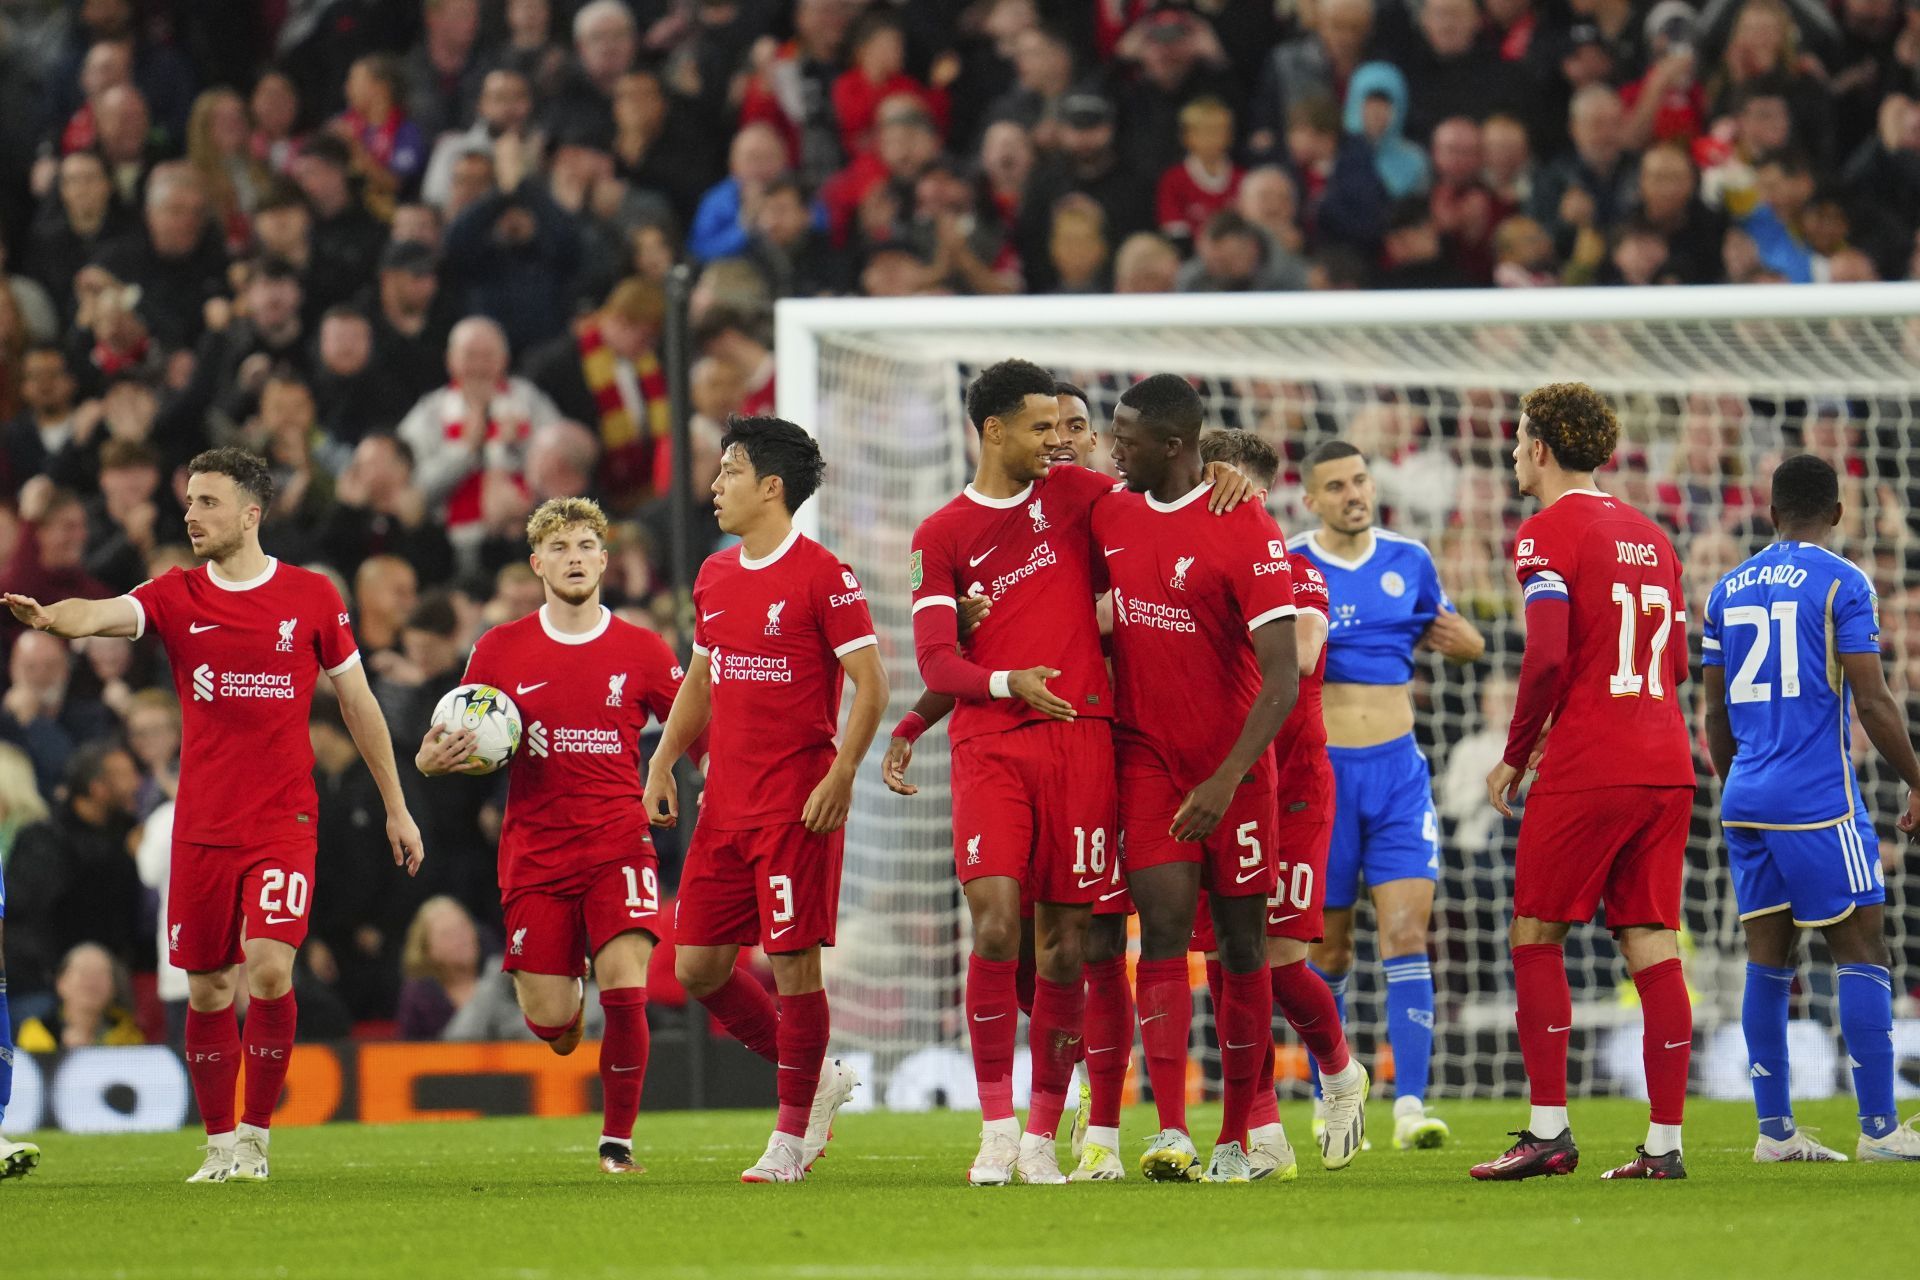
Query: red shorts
{"points": [[1295, 908], [553, 928], [777, 887], [1037, 804], [1236, 860], [1622, 846], [218, 894]]}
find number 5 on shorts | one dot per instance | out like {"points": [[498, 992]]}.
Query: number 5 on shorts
{"points": [[781, 887], [1253, 857]]}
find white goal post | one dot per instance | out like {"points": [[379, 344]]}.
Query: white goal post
{"points": [[1713, 385]]}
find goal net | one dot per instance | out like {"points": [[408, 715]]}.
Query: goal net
{"points": [[1713, 387]]}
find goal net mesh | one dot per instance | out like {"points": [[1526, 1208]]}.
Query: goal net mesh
{"points": [[1707, 408]]}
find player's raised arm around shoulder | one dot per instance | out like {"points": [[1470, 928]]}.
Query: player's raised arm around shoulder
{"points": [[1716, 723], [368, 726], [1856, 627], [120, 616]]}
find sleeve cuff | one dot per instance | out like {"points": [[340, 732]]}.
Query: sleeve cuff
{"points": [[701, 649], [1271, 615], [139, 615], [929, 602], [997, 684], [841, 651], [351, 660]]}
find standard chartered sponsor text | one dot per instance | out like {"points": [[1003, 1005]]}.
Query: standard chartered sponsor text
{"points": [[257, 684]]}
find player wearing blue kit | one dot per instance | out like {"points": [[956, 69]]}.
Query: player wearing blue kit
{"points": [[1798, 628], [1387, 603], [16, 1158]]}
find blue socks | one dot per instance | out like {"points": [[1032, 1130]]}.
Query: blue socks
{"points": [[1337, 985], [1866, 1024], [6, 1053], [1410, 1022], [1763, 1016]]}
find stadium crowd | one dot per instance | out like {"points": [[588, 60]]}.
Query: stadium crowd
{"points": [[414, 254]]}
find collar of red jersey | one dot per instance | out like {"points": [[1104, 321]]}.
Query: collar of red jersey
{"points": [[786, 544], [259, 579], [999, 504], [583, 637], [1190, 497], [1587, 493]]}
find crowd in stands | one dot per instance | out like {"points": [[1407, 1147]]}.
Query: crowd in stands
{"points": [[413, 252]]}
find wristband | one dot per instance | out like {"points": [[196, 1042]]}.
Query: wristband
{"points": [[911, 726], [998, 685]]}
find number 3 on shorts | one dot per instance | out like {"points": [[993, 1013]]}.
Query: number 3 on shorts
{"points": [[283, 891], [781, 887]]}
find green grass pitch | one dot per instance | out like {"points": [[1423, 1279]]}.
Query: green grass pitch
{"points": [[523, 1200]]}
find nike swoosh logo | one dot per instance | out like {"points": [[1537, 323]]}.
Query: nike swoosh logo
{"points": [[1678, 1044], [1283, 919], [1250, 875], [995, 1018], [637, 915], [785, 1067], [1111, 551], [1150, 1018], [634, 1067], [780, 933], [1103, 1049], [520, 690], [1248, 1045], [973, 561], [709, 617], [1557, 1030], [1109, 897], [1088, 884], [291, 919], [196, 628]]}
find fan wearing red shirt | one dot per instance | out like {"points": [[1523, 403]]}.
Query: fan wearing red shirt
{"points": [[247, 637], [1206, 671], [578, 874], [1303, 832], [1607, 820], [1206, 180], [779, 620]]}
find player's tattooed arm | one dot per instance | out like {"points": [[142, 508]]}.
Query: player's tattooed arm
{"points": [[1886, 728], [72, 619], [929, 711], [692, 710], [1277, 652]]}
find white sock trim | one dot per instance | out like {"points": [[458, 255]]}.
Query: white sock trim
{"points": [[227, 1139], [618, 1142], [1547, 1122], [1347, 1075], [1009, 1126], [1662, 1139], [1103, 1136]]}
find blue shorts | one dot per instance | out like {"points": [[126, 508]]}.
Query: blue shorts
{"points": [[1384, 826], [1821, 876]]}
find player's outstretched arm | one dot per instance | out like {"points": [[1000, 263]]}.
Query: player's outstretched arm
{"points": [[72, 619], [930, 710], [1278, 653], [692, 709], [369, 729], [1880, 717], [1719, 728], [826, 809]]}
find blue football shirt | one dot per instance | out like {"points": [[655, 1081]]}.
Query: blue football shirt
{"points": [[1382, 603]]}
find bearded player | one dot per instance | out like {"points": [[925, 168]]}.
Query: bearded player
{"points": [[1388, 604], [578, 874], [1303, 827], [247, 637], [1599, 703], [779, 621], [1207, 671]]}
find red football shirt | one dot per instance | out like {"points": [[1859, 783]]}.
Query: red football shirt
{"points": [[773, 632], [1300, 752], [1617, 718], [1189, 588], [1031, 555], [245, 656], [574, 794]]}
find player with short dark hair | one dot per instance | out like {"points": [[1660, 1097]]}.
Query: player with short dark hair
{"points": [[1388, 603], [1598, 714], [1303, 826], [1207, 671], [247, 637], [778, 622], [578, 873], [1790, 635]]}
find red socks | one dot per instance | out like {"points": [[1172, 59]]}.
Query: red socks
{"points": [[623, 1059], [1166, 1024], [1109, 1042], [1246, 1039], [1666, 1037], [213, 1063], [745, 1009], [1303, 998], [1545, 1016], [269, 1038], [991, 1005], [1024, 977], [1053, 1036], [802, 1042], [1266, 1108]]}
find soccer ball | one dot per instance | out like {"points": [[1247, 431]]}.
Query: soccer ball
{"points": [[492, 717]]}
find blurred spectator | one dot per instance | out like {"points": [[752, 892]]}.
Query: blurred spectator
{"points": [[1640, 255], [71, 878], [49, 562], [345, 236], [130, 515], [1669, 204], [21, 804], [176, 260], [47, 426], [1174, 57], [1077, 247], [240, 350], [1414, 255], [531, 48], [1786, 187], [1761, 125], [1460, 792], [1885, 171], [153, 735], [444, 70], [790, 86], [876, 71], [218, 150], [1269, 200], [1088, 164], [1043, 76], [739, 339], [440, 963], [505, 106], [605, 41], [1452, 72], [345, 382], [724, 221], [379, 511], [94, 999], [662, 147], [1765, 45], [1465, 210], [36, 318], [409, 332], [1668, 103], [1591, 186], [1232, 257], [607, 372], [80, 215], [1508, 153], [515, 250], [796, 257], [1316, 64], [1206, 180], [385, 589], [274, 109], [1377, 111], [1147, 263], [388, 149]]}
